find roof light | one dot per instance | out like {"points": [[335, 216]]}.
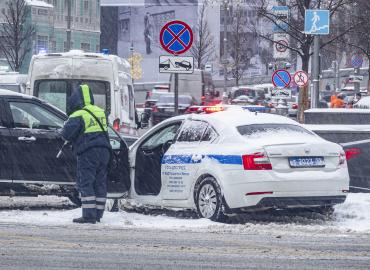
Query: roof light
{"points": [[105, 51], [213, 109]]}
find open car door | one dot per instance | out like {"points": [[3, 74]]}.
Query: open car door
{"points": [[119, 182]]}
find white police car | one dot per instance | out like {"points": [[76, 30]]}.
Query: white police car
{"points": [[234, 161]]}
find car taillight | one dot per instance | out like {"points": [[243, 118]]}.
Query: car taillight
{"points": [[116, 124], [256, 161], [213, 109], [295, 106], [154, 109], [352, 153]]}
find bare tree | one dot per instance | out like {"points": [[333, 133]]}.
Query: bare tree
{"points": [[238, 42], [203, 49], [301, 43], [359, 38], [16, 33]]}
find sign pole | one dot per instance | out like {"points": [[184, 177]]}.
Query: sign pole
{"points": [[357, 83], [176, 94], [316, 73]]}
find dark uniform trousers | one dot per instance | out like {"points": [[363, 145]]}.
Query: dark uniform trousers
{"points": [[92, 170]]}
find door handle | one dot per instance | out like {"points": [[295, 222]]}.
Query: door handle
{"points": [[27, 139]]}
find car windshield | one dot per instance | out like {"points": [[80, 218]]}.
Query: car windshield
{"points": [[258, 130], [171, 99], [56, 92]]}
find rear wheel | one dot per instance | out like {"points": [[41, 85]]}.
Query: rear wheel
{"points": [[208, 200]]}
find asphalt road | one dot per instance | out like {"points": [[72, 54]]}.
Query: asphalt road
{"points": [[98, 247]]}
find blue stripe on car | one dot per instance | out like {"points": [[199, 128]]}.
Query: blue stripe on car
{"points": [[187, 159]]}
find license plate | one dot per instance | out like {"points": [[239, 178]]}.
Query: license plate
{"points": [[169, 109], [306, 162]]}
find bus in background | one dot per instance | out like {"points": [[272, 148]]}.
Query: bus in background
{"points": [[52, 77]]}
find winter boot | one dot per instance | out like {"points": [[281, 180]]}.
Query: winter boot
{"points": [[83, 220]]}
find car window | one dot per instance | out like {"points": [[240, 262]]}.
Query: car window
{"points": [[255, 131], [54, 92], [30, 115], [192, 131], [162, 136], [209, 135]]}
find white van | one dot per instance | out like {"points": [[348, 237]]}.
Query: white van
{"points": [[52, 77], [13, 81]]}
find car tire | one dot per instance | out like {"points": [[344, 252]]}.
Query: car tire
{"points": [[112, 205], [208, 200]]}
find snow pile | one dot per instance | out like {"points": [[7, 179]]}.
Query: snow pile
{"points": [[351, 217], [354, 214]]}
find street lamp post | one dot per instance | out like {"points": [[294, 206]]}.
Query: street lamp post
{"points": [[69, 34], [225, 9]]}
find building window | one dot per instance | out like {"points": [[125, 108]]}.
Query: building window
{"points": [[85, 47], [42, 43], [86, 6], [43, 12], [97, 48], [124, 29]]}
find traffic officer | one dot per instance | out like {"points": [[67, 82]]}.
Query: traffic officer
{"points": [[86, 129]]}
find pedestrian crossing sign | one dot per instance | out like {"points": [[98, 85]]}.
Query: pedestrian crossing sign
{"points": [[317, 22]]}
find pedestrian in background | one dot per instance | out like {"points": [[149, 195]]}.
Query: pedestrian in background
{"points": [[86, 129], [336, 101]]}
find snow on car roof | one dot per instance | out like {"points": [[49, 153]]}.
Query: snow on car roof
{"points": [[238, 117]]}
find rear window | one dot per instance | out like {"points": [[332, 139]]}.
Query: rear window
{"points": [[258, 130], [11, 87]]}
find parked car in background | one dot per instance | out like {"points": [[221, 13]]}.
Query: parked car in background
{"points": [[13, 81], [292, 106], [165, 106]]}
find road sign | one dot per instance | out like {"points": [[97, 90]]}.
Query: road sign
{"points": [[280, 47], [317, 22], [300, 78], [176, 64], [282, 15], [281, 93], [176, 37], [281, 78], [357, 60]]}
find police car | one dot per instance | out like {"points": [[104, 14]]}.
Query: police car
{"points": [[234, 161]]}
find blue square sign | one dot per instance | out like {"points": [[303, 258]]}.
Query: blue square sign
{"points": [[317, 22]]}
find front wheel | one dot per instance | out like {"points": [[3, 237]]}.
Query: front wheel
{"points": [[208, 200]]}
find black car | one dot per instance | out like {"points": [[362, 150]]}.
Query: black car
{"points": [[29, 143], [348, 128], [165, 107], [184, 64]]}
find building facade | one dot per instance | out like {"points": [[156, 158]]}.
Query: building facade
{"points": [[49, 19]]}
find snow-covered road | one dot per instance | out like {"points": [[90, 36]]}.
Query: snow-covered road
{"points": [[351, 217]]}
